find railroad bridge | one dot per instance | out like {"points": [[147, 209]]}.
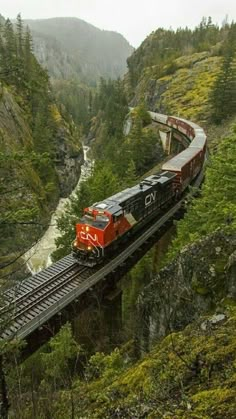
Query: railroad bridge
{"points": [[38, 306]]}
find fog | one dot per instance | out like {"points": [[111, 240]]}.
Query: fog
{"points": [[135, 20]]}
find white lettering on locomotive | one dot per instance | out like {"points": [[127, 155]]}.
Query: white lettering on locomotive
{"points": [[149, 199], [87, 236]]}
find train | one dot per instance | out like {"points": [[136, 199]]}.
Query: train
{"points": [[106, 225]]}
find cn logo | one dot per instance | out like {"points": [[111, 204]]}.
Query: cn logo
{"points": [[87, 236], [149, 199]]}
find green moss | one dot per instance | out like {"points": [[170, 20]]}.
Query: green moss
{"points": [[186, 91], [228, 303], [202, 291], [198, 286], [195, 368], [215, 403], [220, 264], [189, 374]]}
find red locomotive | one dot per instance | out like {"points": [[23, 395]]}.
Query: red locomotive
{"points": [[105, 225]]}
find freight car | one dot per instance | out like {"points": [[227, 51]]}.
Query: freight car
{"points": [[107, 224]]}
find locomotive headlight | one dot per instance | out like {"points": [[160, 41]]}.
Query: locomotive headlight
{"points": [[75, 243], [87, 228], [89, 247]]}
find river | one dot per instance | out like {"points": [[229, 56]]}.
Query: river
{"points": [[39, 256]]}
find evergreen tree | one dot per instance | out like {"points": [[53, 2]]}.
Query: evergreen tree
{"points": [[28, 173], [28, 50], [130, 175], [223, 97], [20, 35], [10, 53], [100, 185], [1, 49], [19, 45], [77, 99], [216, 207]]}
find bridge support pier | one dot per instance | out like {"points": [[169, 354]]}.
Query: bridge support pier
{"points": [[113, 317], [97, 326]]}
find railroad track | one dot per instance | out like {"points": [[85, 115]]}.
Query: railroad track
{"points": [[40, 292], [38, 298], [47, 293], [28, 287]]}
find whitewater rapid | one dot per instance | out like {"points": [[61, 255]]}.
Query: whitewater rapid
{"points": [[39, 256]]}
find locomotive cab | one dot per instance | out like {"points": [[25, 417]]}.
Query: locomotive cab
{"points": [[88, 246]]}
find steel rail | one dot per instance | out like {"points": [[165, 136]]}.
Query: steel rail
{"points": [[42, 300], [54, 285], [27, 286], [100, 274], [46, 290], [40, 286]]}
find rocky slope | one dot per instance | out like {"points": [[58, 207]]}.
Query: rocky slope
{"points": [[31, 182], [187, 317], [16, 135], [71, 48], [187, 321], [174, 71], [188, 375], [185, 91], [201, 279]]}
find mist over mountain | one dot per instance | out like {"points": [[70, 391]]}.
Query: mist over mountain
{"points": [[72, 48]]}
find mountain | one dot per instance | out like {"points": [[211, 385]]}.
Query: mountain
{"points": [[72, 48], [40, 148], [174, 71], [182, 324]]}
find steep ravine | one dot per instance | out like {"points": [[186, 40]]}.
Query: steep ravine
{"points": [[39, 256], [33, 176], [200, 280], [185, 335], [185, 91]]}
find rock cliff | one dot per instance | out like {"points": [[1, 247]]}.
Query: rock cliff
{"points": [[201, 279], [16, 135], [33, 175], [183, 90], [91, 53]]}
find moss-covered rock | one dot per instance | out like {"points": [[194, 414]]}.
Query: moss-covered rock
{"points": [[34, 171], [185, 92], [197, 281], [189, 374], [190, 370]]}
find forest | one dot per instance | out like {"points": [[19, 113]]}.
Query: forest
{"points": [[189, 356], [32, 134]]}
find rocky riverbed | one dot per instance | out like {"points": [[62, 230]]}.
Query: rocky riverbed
{"points": [[39, 256]]}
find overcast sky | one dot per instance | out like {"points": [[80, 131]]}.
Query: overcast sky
{"points": [[135, 19]]}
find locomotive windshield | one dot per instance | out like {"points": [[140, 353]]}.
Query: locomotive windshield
{"points": [[98, 221]]}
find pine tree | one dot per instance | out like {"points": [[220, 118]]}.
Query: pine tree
{"points": [[1, 51], [100, 185], [223, 97], [27, 45], [19, 47], [130, 175], [20, 35], [10, 53]]}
